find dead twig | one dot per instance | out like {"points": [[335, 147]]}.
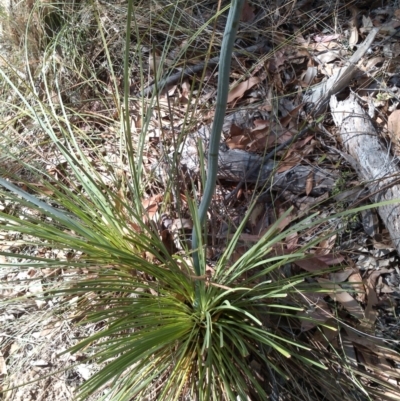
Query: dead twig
{"points": [[192, 70]]}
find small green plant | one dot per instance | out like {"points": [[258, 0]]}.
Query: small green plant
{"points": [[340, 186], [341, 182]]}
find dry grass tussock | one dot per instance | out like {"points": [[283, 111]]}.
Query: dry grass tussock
{"points": [[65, 84]]}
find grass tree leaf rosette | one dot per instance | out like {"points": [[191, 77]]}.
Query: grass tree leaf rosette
{"points": [[152, 332]]}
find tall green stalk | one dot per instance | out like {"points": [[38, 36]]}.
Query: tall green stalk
{"points": [[215, 137]]}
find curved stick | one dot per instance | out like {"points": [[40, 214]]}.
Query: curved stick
{"points": [[192, 70]]}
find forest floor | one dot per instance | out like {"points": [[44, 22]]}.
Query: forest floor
{"points": [[282, 54]]}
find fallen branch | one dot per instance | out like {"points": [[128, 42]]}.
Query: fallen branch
{"points": [[240, 166], [265, 159], [376, 166], [320, 95]]}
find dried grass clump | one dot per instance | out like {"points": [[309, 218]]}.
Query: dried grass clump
{"points": [[29, 25]]}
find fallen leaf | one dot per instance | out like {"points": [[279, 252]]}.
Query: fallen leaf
{"points": [[321, 47], [330, 259], [311, 264], [353, 40], [277, 60], [371, 313], [181, 224], [171, 91], [371, 63], [309, 183], [261, 141], [239, 90], [394, 126], [298, 55], [150, 206], [342, 297], [291, 241], [235, 130], [327, 57], [367, 24], [268, 102], [376, 344], [289, 163], [42, 189], [247, 12], [349, 350], [340, 277], [329, 335], [387, 370], [385, 289], [255, 216], [185, 94], [238, 142], [309, 75], [325, 38], [374, 357], [299, 39], [293, 114], [256, 140], [154, 61], [356, 283], [317, 313], [168, 241], [260, 125], [326, 245]]}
